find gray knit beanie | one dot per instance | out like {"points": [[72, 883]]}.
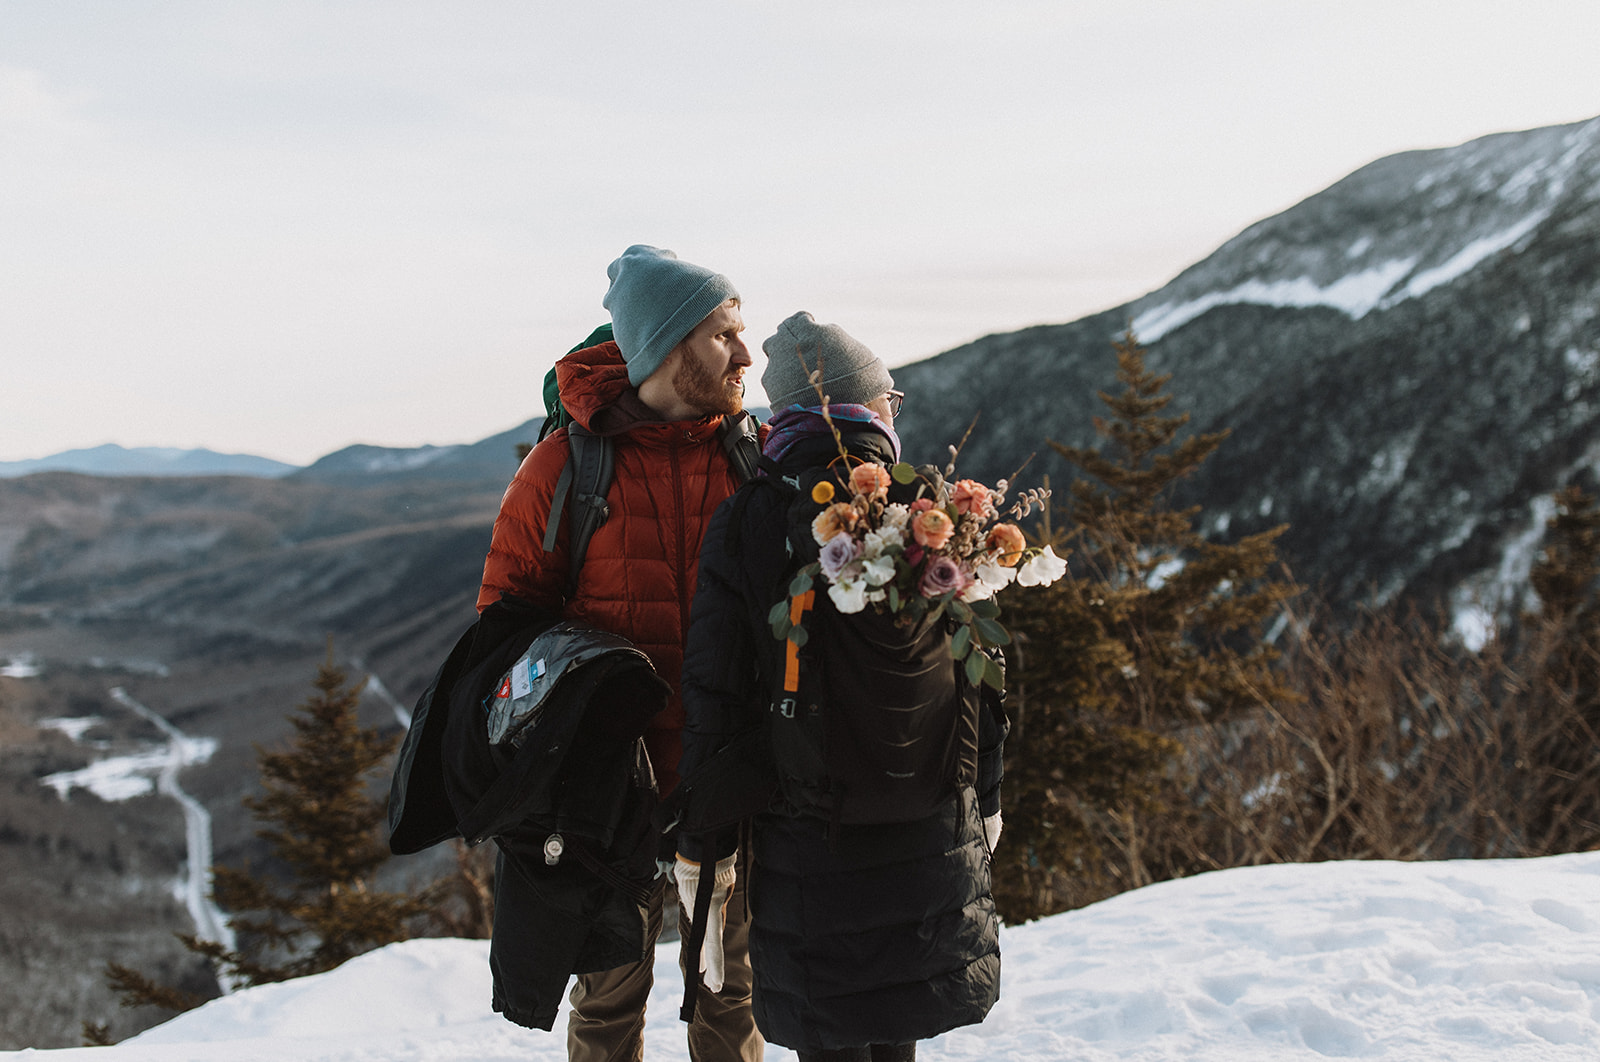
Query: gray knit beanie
{"points": [[655, 300], [850, 372]]}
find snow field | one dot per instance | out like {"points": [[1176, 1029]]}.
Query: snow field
{"points": [[1444, 962]]}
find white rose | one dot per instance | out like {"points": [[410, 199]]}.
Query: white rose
{"points": [[849, 596], [1041, 569]]}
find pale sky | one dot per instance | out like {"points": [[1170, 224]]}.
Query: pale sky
{"points": [[282, 227]]}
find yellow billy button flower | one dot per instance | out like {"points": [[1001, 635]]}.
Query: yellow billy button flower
{"points": [[822, 493]]}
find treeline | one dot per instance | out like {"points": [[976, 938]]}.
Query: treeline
{"points": [[1181, 705]]}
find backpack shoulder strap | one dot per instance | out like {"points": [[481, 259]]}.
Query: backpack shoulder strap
{"points": [[742, 443], [586, 477]]}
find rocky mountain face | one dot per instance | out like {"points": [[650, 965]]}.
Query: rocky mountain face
{"points": [[1409, 364]]}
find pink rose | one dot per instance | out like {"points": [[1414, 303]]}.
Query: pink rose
{"points": [[941, 576], [932, 528], [921, 505], [972, 497]]}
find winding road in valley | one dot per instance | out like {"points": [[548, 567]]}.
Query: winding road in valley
{"points": [[181, 751]]}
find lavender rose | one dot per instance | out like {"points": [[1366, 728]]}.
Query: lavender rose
{"points": [[840, 551], [941, 576]]}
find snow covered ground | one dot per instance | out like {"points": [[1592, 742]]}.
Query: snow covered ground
{"points": [[1494, 960]]}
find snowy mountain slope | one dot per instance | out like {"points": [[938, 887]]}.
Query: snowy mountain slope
{"points": [[1492, 960], [1391, 231], [1408, 362]]}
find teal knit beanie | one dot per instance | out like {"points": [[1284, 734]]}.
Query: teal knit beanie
{"points": [[655, 300]]}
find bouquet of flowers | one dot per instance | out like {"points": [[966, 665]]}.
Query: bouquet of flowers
{"points": [[946, 550]]}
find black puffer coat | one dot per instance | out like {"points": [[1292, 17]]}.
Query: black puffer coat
{"points": [[881, 934]]}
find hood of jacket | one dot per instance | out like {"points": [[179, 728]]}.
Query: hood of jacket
{"points": [[595, 389]]}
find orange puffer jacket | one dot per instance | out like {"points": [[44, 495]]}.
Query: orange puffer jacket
{"points": [[638, 576]]}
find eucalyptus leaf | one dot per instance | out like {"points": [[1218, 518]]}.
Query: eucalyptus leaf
{"points": [[961, 642], [961, 610], [975, 667], [799, 637], [903, 473], [779, 613], [992, 632], [894, 598], [986, 607], [993, 673], [801, 582]]}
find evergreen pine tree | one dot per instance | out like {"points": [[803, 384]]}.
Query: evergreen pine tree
{"points": [[322, 825], [1157, 630]]}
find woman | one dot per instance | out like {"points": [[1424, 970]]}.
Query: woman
{"points": [[864, 937]]}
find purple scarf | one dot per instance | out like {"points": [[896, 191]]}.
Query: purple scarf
{"points": [[796, 423]]}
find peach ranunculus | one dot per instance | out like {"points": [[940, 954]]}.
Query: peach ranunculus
{"points": [[932, 528], [972, 497], [1007, 540], [869, 479], [836, 518]]}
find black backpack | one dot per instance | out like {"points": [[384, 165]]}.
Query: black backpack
{"points": [[871, 719]]}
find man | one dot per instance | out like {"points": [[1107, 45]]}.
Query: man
{"points": [[660, 392]]}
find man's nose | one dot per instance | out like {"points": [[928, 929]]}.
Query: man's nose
{"points": [[741, 353]]}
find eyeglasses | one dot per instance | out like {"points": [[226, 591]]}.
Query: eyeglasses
{"points": [[896, 400]]}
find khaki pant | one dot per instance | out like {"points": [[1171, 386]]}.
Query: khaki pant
{"points": [[607, 1019]]}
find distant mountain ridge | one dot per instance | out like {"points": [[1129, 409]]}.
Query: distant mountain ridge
{"points": [[113, 460], [493, 459]]}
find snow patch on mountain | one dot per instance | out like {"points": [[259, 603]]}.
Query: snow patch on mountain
{"points": [[1464, 259], [73, 727], [20, 667], [1356, 294], [1392, 231], [402, 460]]}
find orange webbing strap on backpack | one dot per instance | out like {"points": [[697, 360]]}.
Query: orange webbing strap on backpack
{"points": [[798, 607]]}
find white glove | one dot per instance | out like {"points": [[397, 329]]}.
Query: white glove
{"points": [[991, 830], [688, 875]]}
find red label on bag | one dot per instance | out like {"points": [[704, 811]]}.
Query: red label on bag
{"points": [[504, 691]]}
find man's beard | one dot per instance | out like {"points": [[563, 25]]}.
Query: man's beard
{"points": [[704, 390]]}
